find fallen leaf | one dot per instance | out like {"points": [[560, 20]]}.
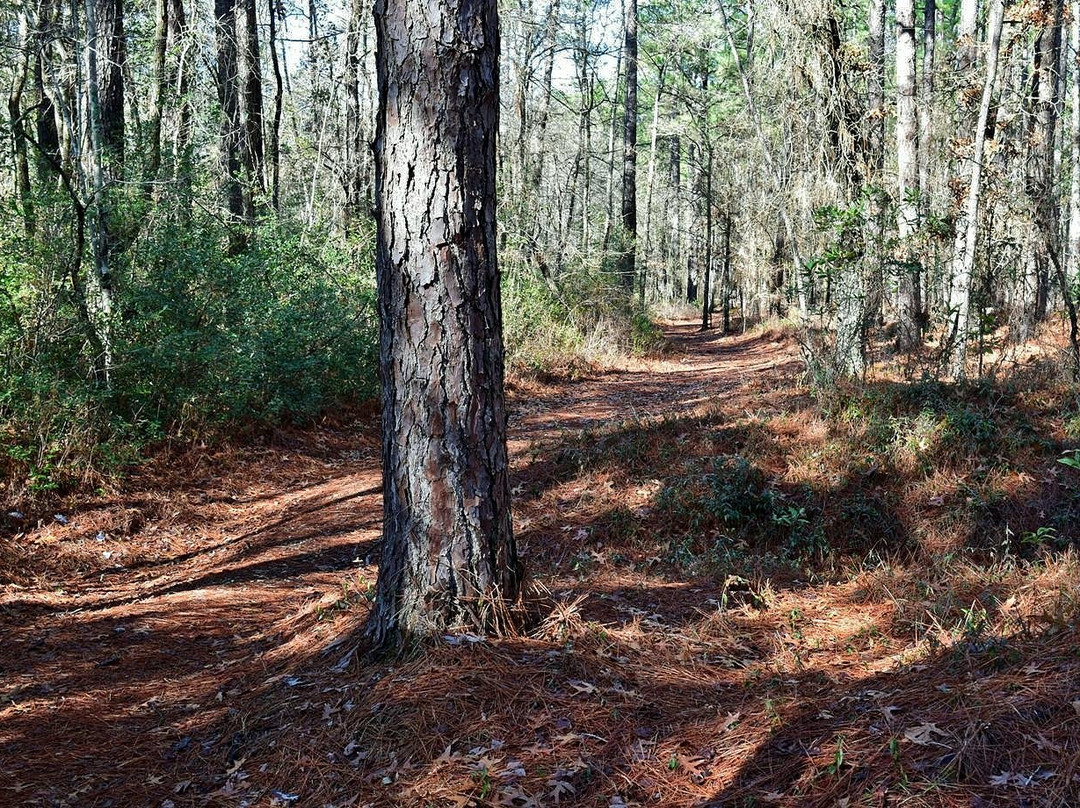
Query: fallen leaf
{"points": [[923, 735]]}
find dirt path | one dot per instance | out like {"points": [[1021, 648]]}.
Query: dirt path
{"points": [[153, 611], [189, 641]]}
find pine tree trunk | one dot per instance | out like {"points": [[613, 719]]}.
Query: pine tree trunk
{"points": [[112, 53], [629, 178], [229, 102], [448, 556], [874, 277]]}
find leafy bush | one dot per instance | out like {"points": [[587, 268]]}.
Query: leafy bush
{"points": [[201, 339]]}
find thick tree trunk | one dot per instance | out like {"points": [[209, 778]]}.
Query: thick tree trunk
{"points": [[964, 258], [629, 177], [112, 53], [448, 557], [249, 75], [908, 298], [1040, 180], [229, 100]]}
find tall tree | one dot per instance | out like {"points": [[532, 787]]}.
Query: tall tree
{"points": [[964, 257], [908, 298], [629, 177], [448, 556], [1040, 179]]}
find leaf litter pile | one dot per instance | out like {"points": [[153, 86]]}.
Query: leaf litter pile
{"points": [[742, 595]]}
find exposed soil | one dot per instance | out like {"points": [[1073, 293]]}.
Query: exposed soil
{"points": [[194, 639]]}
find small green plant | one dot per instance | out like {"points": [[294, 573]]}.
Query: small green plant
{"points": [[483, 778], [673, 763], [1071, 459], [1039, 536], [838, 758]]}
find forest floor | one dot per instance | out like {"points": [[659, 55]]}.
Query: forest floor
{"points": [[742, 596]]}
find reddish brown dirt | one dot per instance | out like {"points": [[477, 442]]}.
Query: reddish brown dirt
{"points": [[189, 641]]}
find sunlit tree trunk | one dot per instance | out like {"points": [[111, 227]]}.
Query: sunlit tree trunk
{"points": [[964, 259], [355, 181], [17, 123], [1074, 156], [874, 277], [908, 304], [629, 178], [448, 553]]}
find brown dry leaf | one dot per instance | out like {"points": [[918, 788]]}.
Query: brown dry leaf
{"points": [[588, 688], [923, 735]]}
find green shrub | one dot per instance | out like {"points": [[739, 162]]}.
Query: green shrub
{"points": [[201, 340]]}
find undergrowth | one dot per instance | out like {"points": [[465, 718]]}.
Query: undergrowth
{"points": [[204, 342]]}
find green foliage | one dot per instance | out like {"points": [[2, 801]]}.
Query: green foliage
{"points": [[736, 502], [555, 325], [201, 340]]}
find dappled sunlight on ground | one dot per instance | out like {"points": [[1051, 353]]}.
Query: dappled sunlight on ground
{"points": [[737, 599]]}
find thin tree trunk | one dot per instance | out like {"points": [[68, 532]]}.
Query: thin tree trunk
{"points": [[102, 308], [355, 181], [964, 259], [448, 553], [874, 289], [926, 106], [770, 162], [613, 125], [706, 294], [629, 177], [163, 83], [276, 12], [1073, 260], [726, 285], [908, 303], [649, 183], [229, 102], [16, 120]]}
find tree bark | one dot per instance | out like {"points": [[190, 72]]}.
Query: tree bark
{"points": [[964, 259], [449, 557], [18, 125], [112, 53], [229, 101], [1041, 180], [629, 177], [926, 106], [276, 13], [908, 303], [1073, 260], [874, 290]]}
